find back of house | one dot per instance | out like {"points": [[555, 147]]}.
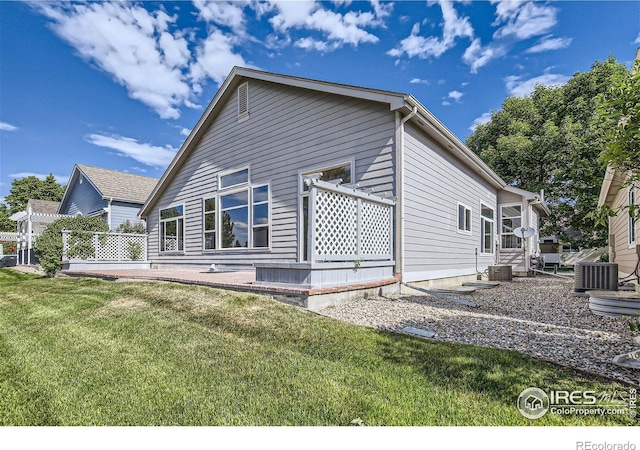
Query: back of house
{"points": [[238, 194]]}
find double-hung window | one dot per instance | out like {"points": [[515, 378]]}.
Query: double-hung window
{"points": [[631, 202], [486, 228], [511, 217], [238, 216], [172, 229], [464, 218]]}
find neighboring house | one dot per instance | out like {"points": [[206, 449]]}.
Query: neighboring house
{"points": [[30, 224], [114, 196], [235, 193], [624, 245]]}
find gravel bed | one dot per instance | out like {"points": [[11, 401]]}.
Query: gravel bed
{"points": [[535, 316]]}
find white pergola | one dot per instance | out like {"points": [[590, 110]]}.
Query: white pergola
{"points": [[30, 225]]}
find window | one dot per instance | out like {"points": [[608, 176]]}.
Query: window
{"points": [[234, 178], [243, 100], [464, 218], [243, 219], [486, 228], [342, 172], [632, 223], [511, 219], [209, 225], [172, 229], [260, 216], [234, 213]]}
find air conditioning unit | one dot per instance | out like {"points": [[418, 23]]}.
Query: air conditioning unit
{"points": [[500, 273], [596, 276]]}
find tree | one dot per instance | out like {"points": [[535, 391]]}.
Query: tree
{"points": [[31, 187], [551, 140], [48, 246], [6, 224]]}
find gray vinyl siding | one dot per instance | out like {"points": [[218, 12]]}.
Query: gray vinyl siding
{"points": [[621, 251], [83, 199], [121, 212], [434, 184], [288, 131]]}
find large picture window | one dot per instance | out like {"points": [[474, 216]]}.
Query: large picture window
{"points": [[238, 217], [511, 219], [172, 229], [486, 228]]}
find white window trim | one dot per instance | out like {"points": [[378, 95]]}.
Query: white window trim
{"points": [[302, 193], [229, 172], [493, 234], [468, 232], [184, 229], [250, 248], [500, 234], [632, 226], [205, 198]]}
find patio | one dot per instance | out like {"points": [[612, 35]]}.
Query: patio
{"points": [[312, 299]]}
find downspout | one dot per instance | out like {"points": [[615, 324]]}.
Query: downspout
{"points": [[109, 212], [400, 249]]}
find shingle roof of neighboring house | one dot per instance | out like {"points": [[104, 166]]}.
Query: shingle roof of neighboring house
{"points": [[43, 206], [118, 185]]}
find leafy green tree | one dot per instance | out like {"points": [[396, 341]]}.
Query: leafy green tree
{"points": [[48, 247], [31, 187], [228, 236], [6, 224], [128, 227], [550, 140]]}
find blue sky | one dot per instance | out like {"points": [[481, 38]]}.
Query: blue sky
{"points": [[119, 85]]}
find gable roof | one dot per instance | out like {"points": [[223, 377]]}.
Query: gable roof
{"points": [[111, 184], [405, 103], [43, 206], [611, 184]]}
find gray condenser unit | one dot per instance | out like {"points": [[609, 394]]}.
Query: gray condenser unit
{"points": [[596, 276]]}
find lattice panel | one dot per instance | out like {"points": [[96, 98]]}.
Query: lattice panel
{"points": [[336, 231], [375, 235], [106, 247]]}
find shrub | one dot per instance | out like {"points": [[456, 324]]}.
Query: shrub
{"points": [[48, 246], [133, 251], [128, 227]]}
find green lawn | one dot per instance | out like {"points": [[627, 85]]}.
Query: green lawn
{"points": [[90, 352]]}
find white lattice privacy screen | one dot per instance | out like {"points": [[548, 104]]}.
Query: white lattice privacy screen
{"points": [[349, 225], [104, 246]]}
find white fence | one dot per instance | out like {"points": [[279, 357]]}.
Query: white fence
{"points": [[348, 225], [101, 246]]}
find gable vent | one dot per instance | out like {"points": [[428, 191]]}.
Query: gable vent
{"points": [[243, 100]]}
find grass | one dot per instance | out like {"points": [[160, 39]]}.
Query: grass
{"points": [[90, 352]]}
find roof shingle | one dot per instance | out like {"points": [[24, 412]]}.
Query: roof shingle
{"points": [[120, 185]]}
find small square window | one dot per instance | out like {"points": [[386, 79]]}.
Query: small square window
{"points": [[464, 218], [234, 179]]}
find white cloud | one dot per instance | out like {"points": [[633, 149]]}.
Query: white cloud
{"points": [[4, 126], [336, 29], [148, 154], [455, 95], [484, 118], [226, 13], [637, 41], [523, 20], [418, 81], [215, 58], [477, 56], [547, 43], [131, 44], [185, 132], [425, 47], [518, 87], [61, 179]]}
